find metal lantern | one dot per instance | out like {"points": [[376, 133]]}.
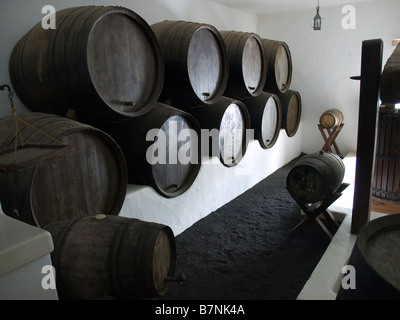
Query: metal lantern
{"points": [[317, 20]]}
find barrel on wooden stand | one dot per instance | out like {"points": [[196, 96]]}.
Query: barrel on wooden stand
{"points": [[104, 62], [111, 256], [386, 178], [161, 148], [265, 118], [91, 179], [279, 66], [375, 258], [247, 71], [196, 63], [226, 123], [331, 118], [315, 177], [291, 111]]}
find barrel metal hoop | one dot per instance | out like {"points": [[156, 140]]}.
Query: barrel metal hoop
{"points": [[113, 260], [392, 194], [379, 156]]}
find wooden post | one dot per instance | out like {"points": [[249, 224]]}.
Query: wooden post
{"points": [[371, 68]]}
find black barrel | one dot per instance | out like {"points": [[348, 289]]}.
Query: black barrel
{"points": [[247, 71], [104, 62], [89, 180], [161, 148], [279, 66], [265, 118], [315, 177], [105, 256], [224, 127], [196, 62], [291, 111], [375, 258]]}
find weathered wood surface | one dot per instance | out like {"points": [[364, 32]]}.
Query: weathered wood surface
{"points": [[104, 62], [196, 62], [247, 71], [112, 256], [89, 180]]}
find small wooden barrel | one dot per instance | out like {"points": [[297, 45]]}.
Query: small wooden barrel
{"points": [[104, 62], [331, 118], [226, 122], [161, 148], [247, 72], [265, 118], [196, 62], [279, 66], [89, 180], [315, 177], [110, 256], [291, 111], [375, 257], [386, 177]]}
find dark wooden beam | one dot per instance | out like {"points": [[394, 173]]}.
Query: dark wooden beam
{"points": [[371, 68]]}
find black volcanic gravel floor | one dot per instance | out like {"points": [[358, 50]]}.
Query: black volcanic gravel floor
{"points": [[246, 250]]}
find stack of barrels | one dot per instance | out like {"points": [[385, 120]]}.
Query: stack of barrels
{"points": [[134, 101]]}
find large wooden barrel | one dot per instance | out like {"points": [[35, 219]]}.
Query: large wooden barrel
{"points": [[196, 63], [279, 66], [91, 179], [161, 148], [331, 118], [291, 111], [225, 125], [386, 177], [265, 118], [247, 71], [315, 177], [110, 256], [375, 258], [104, 62]]}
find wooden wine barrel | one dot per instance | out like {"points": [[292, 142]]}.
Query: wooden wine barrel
{"points": [[291, 111], [196, 63], [265, 118], [331, 118], [89, 180], [104, 62], [386, 177], [111, 256], [226, 123], [279, 66], [161, 148], [247, 71], [315, 177], [375, 258]]}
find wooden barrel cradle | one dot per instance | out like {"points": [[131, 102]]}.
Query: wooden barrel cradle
{"points": [[196, 63], [265, 118], [291, 111], [226, 123], [375, 258], [331, 118], [315, 177], [161, 148], [89, 180], [386, 176], [104, 62], [247, 72], [111, 256], [279, 66]]}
